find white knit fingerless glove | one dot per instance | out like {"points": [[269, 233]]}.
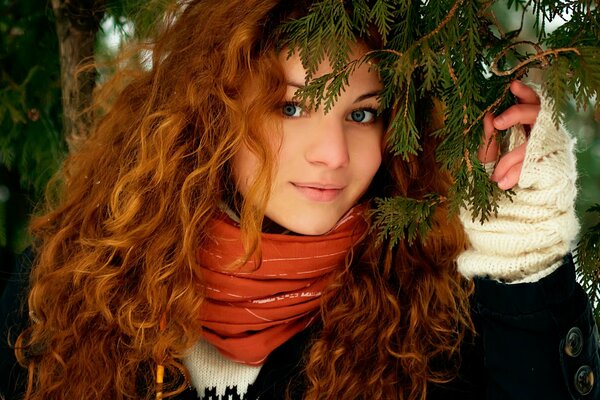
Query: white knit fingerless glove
{"points": [[531, 234]]}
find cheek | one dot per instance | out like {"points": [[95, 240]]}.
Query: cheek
{"points": [[368, 155], [371, 166]]}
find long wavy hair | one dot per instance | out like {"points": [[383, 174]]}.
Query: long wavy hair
{"points": [[113, 290]]}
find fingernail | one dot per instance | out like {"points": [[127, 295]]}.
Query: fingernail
{"points": [[499, 121], [503, 184]]}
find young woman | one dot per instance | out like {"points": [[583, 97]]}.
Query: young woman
{"points": [[212, 240]]}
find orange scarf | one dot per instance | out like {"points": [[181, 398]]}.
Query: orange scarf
{"points": [[248, 313]]}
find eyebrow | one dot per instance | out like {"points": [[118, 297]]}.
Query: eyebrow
{"points": [[296, 85], [367, 96], [358, 99]]}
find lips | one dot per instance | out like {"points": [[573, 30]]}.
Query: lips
{"points": [[321, 192]]}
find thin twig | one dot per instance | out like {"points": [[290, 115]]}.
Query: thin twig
{"points": [[460, 94], [434, 32], [406, 99], [540, 56], [468, 160], [495, 104], [391, 51], [438, 28], [467, 155]]}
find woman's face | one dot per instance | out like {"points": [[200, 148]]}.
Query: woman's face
{"points": [[325, 162]]}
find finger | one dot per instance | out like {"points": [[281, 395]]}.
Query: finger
{"points": [[511, 178], [524, 114], [523, 93], [488, 151], [508, 161]]}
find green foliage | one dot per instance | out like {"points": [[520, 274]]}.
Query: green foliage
{"points": [[29, 94], [326, 33], [446, 50], [397, 217], [455, 51], [31, 143]]}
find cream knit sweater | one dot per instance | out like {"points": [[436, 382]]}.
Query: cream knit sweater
{"points": [[531, 233]]}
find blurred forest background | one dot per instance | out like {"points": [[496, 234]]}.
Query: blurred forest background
{"points": [[33, 141], [35, 132]]}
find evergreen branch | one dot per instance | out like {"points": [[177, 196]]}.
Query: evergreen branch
{"points": [[402, 218], [474, 191], [382, 14], [446, 50], [374, 53], [586, 73], [405, 138], [497, 24], [467, 156], [440, 26], [556, 88], [457, 86], [327, 88], [496, 103], [540, 56], [406, 100]]}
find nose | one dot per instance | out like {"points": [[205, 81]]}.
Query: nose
{"points": [[328, 145]]}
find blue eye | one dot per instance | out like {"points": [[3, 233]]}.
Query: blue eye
{"points": [[363, 116], [291, 110]]}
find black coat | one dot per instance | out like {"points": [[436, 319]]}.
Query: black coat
{"points": [[535, 341]]}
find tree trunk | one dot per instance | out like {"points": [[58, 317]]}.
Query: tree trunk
{"points": [[77, 22]]}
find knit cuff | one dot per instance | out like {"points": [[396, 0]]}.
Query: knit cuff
{"points": [[534, 229]]}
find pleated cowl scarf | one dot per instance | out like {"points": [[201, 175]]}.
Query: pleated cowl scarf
{"points": [[249, 312]]}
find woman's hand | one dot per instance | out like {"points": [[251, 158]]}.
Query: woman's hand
{"points": [[508, 169], [528, 236]]}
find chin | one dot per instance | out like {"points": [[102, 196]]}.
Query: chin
{"points": [[307, 227], [313, 230]]}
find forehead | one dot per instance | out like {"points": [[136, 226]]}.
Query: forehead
{"points": [[295, 73]]}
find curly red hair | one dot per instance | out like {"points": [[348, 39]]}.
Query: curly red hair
{"points": [[116, 245]]}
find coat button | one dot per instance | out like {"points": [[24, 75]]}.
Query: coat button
{"points": [[574, 342], [584, 380]]}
